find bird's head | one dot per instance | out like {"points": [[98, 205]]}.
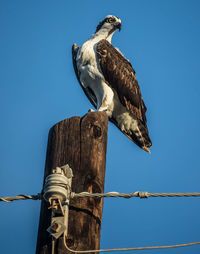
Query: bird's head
{"points": [[109, 24]]}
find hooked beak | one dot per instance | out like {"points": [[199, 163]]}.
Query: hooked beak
{"points": [[118, 26]]}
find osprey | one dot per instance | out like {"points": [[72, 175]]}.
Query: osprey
{"points": [[108, 79]]}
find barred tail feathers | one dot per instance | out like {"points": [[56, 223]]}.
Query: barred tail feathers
{"points": [[135, 130], [140, 136]]}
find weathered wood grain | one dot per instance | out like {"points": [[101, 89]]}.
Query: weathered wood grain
{"points": [[81, 143]]}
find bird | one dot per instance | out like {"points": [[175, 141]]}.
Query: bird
{"points": [[109, 81]]}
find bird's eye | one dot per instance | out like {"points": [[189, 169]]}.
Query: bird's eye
{"points": [[110, 20]]}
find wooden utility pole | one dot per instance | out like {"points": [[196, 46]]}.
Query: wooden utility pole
{"points": [[81, 143]]}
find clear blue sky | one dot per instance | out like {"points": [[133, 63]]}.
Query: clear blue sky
{"points": [[38, 88]]}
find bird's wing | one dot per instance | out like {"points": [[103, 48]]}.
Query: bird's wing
{"points": [[88, 92], [120, 75]]}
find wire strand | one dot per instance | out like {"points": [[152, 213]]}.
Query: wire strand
{"points": [[21, 197], [140, 194], [128, 249]]}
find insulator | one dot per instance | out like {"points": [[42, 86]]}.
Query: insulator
{"points": [[56, 186]]}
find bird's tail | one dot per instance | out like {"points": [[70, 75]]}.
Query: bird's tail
{"points": [[140, 136], [138, 133]]}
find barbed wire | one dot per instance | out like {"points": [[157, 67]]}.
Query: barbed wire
{"points": [[140, 194]]}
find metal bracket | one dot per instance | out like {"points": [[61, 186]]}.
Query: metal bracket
{"points": [[56, 206], [57, 227]]}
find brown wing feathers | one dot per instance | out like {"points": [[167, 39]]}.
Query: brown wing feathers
{"points": [[120, 75]]}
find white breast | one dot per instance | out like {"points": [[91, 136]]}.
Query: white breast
{"points": [[91, 76], [87, 60]]}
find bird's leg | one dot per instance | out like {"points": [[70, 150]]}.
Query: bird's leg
{"points": [[91, 110], [103, 109], [104, 100], [104, 105], [104, 96]]}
